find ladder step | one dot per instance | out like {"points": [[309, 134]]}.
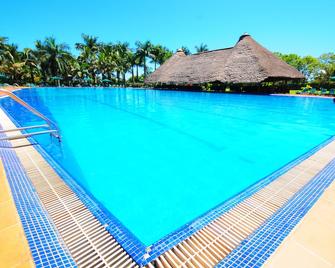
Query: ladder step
{"points": [[22, 136], [22, 128]]}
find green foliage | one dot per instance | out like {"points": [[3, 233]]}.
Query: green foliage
{"points": [[207, 87], [101, 63], [97, 64], [186, 50], [327, 64], [319, 69], [201, 48]]}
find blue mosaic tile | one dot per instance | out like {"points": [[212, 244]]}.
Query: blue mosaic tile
{"points": [[45, 244], [257, 248]]}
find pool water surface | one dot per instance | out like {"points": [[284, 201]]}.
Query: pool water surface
{"points": [[158, 159]]}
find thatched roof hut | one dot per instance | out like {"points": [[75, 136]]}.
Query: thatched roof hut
{"points": [[245, 63]]}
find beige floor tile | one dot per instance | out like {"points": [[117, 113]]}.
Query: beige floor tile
{"points": [[26, 264], [4, 192], [325, 210], [312, 242], [8, 214], [318, 236], [294, 256], [13, 250]]}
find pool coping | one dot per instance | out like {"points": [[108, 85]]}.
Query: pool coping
{"points": [[131, 242]]}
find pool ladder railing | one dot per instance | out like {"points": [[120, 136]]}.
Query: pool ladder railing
{"points": [[52, 128]]}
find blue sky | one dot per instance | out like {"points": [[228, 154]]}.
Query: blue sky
{"points": [[303, 27]]}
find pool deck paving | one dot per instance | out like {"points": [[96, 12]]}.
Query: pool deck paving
{"points": [[312, 243], [91, 245], [303, 96], [14, 249]]}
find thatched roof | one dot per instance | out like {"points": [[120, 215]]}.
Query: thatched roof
{"points": [[246, 62]]}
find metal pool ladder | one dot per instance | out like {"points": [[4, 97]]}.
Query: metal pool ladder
{"points": [[53, 129]]}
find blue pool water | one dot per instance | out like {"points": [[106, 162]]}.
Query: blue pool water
{"points": [[159, 159]]}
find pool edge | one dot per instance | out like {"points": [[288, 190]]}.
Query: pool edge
{"points": [[199, 222]]}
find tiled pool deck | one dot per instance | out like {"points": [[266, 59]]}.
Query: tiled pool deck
{"points": [[79, 231], [311, 243], [14, 249]]}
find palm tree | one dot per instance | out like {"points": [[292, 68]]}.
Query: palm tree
{"points": [[186, 50], [12, 63], [134, 61], [106, 60], [78, 72], [143, 51], [3, 45], [159, 55], [89, 54], [123, 60], [156, 52], [201, 48], [138, 62], [54, 58], [30, 63], [3, 41], [164, 55]]}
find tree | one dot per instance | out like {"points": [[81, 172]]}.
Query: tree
{"points": [[186, 50], [143, 51], [159, 55], [201, 48], [327, 67], [155, 53], [12, 63], [133, 63], [3, 46], [123, 60], [308, 65], [89, 54], [106, 61], [291, 59], [30, 63], [100, 61], [54, 58], [138, 61]]}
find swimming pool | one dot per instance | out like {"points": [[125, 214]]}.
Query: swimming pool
{"points": [[159, 159]]}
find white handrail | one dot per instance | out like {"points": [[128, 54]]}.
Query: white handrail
{"points": [[50, 123]]}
